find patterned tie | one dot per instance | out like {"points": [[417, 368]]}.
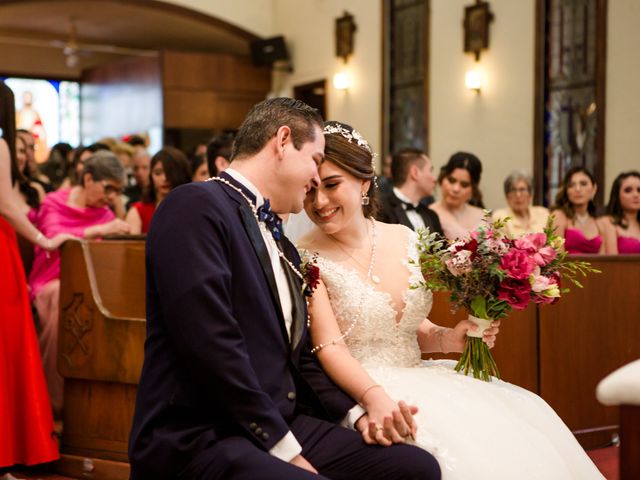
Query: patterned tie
{"points": [[272, 221]]}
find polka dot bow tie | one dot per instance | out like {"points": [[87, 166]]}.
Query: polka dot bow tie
{"points": [[272, 221]]}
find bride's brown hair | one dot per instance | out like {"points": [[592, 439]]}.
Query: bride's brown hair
{"points": [[352, 155]]}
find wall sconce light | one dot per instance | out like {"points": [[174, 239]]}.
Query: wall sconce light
{"points": [[473, 80], [342, 80]]}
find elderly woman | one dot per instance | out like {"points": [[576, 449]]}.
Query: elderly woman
{"points": [[83, 211], [524, 218]]}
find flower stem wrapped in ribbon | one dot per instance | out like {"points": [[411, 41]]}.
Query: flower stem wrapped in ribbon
{"points": [[489, 274]]}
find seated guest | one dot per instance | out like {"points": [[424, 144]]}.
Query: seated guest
{"points": [[575, 215], [523, 217], [459, 182], [169, 169], [32, 171], [141, 166], [219, 153], [413, 179], [199, 167], [624, 211], [57, 166], [82, 211]]}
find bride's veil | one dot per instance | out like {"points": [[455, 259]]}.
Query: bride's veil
{"points": [[297, 226]]}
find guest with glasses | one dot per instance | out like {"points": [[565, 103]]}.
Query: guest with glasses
{"points": [[84, 212], [169, 169], [523, 217]]}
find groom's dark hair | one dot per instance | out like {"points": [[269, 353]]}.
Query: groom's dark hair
{"points": [[265, 118]]}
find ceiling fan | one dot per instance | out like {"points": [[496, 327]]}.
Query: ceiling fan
{"points": [[73, 50]]}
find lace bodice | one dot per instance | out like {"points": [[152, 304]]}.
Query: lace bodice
{"points": [[378, 338]]}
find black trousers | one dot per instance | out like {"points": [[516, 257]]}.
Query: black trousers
{"points": [[336, 452]]}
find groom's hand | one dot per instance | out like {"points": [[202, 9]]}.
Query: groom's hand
{"points": [[398, 428], [300, 461]]}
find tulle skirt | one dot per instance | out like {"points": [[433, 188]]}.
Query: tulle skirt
{"points": [[486, 430]]}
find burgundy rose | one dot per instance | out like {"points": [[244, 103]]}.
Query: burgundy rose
{"points": [[515, 292], [517, 263]]}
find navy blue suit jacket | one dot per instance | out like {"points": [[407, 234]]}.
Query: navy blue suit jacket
{"points": [[218, 361]]}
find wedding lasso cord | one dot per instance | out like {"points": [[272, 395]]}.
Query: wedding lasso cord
{"points": [[254, 209]]}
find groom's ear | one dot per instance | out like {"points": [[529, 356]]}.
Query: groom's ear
{"points": [[283, 136]]}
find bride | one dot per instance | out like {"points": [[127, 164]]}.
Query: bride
{"points": [[369, 329]]}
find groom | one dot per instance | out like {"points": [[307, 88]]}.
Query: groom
{"points": [[229, 388]]}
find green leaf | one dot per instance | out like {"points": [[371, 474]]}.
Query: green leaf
{"points": [[479, 307]]}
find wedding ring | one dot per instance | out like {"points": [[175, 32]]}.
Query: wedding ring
{"points": [[378, 428]]}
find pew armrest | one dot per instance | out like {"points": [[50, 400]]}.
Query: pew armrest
{"points": [[622, 387]]}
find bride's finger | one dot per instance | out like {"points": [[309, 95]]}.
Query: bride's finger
{"points": [[376, 432], [400, 424], [390, 431], [408, 412]]}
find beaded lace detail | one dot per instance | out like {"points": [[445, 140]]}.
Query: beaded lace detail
{"points": [[378, 338]]}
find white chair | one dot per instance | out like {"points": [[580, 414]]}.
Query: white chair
{"points": [[622, 388]]}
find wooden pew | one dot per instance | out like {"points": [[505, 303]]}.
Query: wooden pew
{"points": [[562, 351], [586, 335], [558, 351], [101, 341]]}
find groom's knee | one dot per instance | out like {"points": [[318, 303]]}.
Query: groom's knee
{"points": [[417, 464]]}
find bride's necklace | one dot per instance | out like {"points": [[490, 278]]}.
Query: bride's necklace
{"points": [[320, 346], [254, 209], [370, 276]]}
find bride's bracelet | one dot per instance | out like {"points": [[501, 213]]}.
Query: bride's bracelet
{"points": [[366, 390]]}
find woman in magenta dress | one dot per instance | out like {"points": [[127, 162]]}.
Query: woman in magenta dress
{"points": [[169, 169], [82, 211], [26, 423], [575, 216], [624, 211]]}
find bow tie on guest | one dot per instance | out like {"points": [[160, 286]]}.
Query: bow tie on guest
{"points": [[408, 206], [272, 221]]}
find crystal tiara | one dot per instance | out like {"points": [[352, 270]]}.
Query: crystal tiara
{"points": [[350, 135]]}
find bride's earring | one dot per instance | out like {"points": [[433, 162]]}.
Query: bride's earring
{"points": [[365, 198]]}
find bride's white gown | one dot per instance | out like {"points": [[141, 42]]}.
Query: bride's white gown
{"points": [[476, 430]]}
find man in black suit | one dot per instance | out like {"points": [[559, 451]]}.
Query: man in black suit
{"points": [[413, 180], [229, 387]]}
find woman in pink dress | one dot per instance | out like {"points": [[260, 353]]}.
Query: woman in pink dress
{"points": [[82, 211], [26, 423], [624, 211], [575, 216]]}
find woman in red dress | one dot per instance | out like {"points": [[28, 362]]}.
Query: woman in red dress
{"points": [[26, 421], [169, 169]]}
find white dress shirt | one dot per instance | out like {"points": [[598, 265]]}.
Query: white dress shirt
{"points": [[414, 217]]}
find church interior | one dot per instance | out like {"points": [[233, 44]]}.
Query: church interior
{"points": [[536, 86]]}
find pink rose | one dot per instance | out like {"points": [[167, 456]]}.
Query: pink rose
{"points": [[531, 242], [515, 292], [517, 263], [545, 255]]}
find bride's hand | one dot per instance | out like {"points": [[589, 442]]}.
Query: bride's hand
{"points": [[453, 339], [388, 422]]}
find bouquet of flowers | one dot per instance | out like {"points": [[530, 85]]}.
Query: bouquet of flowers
{"points": [[489, 274]]}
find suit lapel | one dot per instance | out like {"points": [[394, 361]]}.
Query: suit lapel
{"points": [[253, 231], [295, 286], [399, 211]]}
